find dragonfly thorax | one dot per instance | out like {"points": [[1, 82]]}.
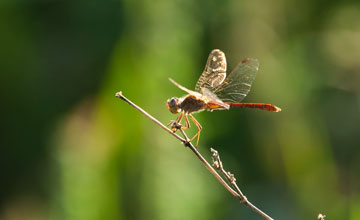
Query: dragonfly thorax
{"points": [[192, 103], [188, 104]]}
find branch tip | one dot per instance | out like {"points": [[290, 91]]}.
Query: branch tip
{"points": [[119, 94], [321, 216]]}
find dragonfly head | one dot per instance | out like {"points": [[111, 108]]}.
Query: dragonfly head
{"points": [[173, 105]]}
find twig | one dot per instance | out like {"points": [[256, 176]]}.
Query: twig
{"points": [[230, 177], [237, 193]]}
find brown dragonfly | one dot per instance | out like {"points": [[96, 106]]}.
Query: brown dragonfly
{"points": [[215, 91]]}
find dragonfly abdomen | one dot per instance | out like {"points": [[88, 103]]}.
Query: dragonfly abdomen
{"points": [[262, 106]]}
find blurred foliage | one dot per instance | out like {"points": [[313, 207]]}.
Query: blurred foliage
{"points": [[70, 150]]}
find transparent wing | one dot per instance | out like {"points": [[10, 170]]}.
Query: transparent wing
{"points": [[213, 101], [181, 87], [214, 72], [209, 96], [237, 85]]}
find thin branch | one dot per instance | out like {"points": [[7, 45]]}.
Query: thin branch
{"points": [[186, 143], [237, 192], [230, 177], [120, 95]]}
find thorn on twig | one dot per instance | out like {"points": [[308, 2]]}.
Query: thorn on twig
{"points": [[232, 178], [215, 153], [216, 159], [216, 165]]}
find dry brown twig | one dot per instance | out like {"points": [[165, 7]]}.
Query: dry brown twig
{"points": [[217, 164], [232, 188]]}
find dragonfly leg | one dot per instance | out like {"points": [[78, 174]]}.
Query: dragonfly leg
{"points": [[178, 119], [199, 127], [175, 124], [187, 123]]}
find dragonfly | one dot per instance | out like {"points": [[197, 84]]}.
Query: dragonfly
{"points": [[216, 91]]}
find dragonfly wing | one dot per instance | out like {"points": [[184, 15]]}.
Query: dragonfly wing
{"points": [[212, 101], [209, 96], [214, 73], [237, 85], [181, 87]]}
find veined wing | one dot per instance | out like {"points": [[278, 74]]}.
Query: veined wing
{"points": [[212, 101], [182, 87], [237, 85], [209, 96], [214, 73]]}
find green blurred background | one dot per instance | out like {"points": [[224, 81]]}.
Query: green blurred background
{"points": [[71, 150]]}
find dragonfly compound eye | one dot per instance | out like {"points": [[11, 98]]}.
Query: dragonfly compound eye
{"points": [[172, 105]]}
